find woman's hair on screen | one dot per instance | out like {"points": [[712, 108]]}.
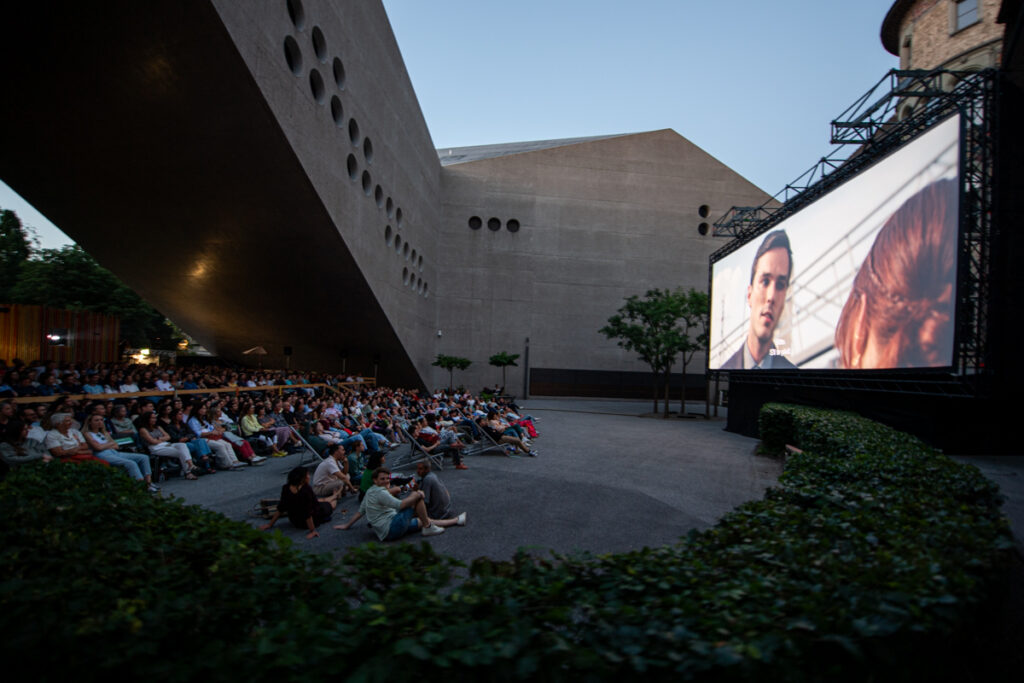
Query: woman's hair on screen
{"points": [[900, 310]]}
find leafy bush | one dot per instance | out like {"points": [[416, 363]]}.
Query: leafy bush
{"points": [[871, 547]]}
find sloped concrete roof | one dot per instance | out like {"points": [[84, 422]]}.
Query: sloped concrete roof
{"points": [[460, 155]]}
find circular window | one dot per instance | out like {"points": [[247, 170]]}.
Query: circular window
{"points": [[398, 243], [387, 234], [704, 210], [368, 150], [367, 183], [405, 276], [702, 228], [493, 224], [293, 55], [475, 223], [316, 85], [353, 132], [378, 196], [319, 44], [296, 13], [390, 206], [353, 167], [339, 73], [512, 225], [398, 216], [337, 111]]}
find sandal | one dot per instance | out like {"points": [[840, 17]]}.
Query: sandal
{"points": [[191, 476]]}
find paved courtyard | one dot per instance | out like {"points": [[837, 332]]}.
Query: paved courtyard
{"points": [[606, 481]]}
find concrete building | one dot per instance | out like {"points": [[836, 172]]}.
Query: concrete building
{"points": [[262, 173]]}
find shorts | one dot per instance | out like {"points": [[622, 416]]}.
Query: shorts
{"points": [[401, 524]]}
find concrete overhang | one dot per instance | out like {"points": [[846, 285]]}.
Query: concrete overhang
{"points": [[138, 129]]}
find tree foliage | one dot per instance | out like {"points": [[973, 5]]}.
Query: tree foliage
{"points": [[694, 322], [15, 249], [648, 327], [70, 278], [451, 363], [503, 359]]}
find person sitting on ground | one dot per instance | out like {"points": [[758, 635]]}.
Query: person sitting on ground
{"points": [[105, 447], [68, 444], [392, 518], [435, 494], [304, 509], [332, 474]]}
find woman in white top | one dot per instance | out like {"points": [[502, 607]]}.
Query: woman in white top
{"points": [[129, 385], [159, 443], [105, 448], [214, 435]]}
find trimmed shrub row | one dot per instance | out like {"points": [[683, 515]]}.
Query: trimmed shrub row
{"points": [[871, 547]]}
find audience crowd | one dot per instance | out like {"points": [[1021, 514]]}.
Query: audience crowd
{"points": [[93, 413]]}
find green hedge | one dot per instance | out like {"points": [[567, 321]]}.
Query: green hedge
{"points": [[871, 547]]}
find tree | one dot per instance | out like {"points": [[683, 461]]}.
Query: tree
{"points": [[15, 249], [695, 312], [451, 363], [69, 278], [648, 327], [502, 360]]}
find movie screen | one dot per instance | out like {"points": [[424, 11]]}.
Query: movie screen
{"points": [[862, 279]]}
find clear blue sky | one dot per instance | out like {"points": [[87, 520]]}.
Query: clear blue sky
{"points": [[754, 83]]}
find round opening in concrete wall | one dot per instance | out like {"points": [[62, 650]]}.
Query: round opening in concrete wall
{"points": [[390, 206], [353, 166], [420, 262], [316, 85], [337, 111], [704, 210], [475, 223], [493, 224], [367, 183], [296, 13], [319, 44], [405, 276], [353, 132], [368, 150], [702, 228], [413, 258], [425, 292], [398, 243], [387, 234], [405, 251], [398, 216], [512, 225], [339, 73], [293, 55], [378, 196]]}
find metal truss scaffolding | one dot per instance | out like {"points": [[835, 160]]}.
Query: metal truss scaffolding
{"points": [[901, 106]]}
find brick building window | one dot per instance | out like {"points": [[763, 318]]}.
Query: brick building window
{"points": [[965, 13]]}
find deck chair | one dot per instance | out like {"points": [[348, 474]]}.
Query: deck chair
{"points": [[307, 449], [403, 458], [485, 445]]}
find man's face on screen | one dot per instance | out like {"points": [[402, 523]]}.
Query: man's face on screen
{"points": [[766, 295]]}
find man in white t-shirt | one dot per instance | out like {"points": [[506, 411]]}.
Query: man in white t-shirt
{"points": [[331, 474], [392, 518]]}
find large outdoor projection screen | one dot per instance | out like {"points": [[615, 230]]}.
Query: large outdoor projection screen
{"points": [[872, 280]]}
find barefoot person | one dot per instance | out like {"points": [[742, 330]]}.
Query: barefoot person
{"points": [[392, 518]]}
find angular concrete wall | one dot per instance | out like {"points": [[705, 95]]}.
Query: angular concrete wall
{"points": [[599, 221]]}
